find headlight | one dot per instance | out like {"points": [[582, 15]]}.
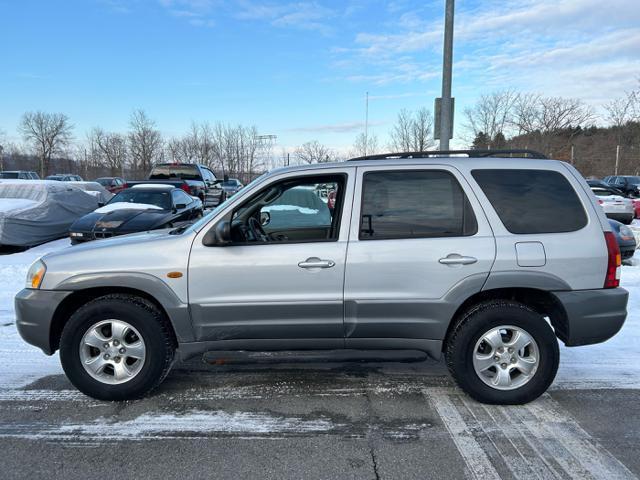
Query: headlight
{"points": [[36, 274]]}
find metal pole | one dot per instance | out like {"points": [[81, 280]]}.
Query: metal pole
{"points": [[572, 155], [447, 62], [617, 159], [1, 158], [366, 126]]}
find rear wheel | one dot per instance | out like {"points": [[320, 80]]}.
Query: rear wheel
{"points": [[117, 347], [502, 352]]}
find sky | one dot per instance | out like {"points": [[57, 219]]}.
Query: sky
{"points": [[300, 70]]}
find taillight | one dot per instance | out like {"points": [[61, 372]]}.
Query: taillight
{"points": [[186, 188], [614, 262]]}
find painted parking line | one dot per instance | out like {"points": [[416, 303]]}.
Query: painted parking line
{"points": [[537, 440]]}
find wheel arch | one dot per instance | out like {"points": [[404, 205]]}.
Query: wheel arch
{"points": [[541, 301], [84, 289]]}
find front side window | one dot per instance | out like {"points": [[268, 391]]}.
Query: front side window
{"points": [[414, 204], [532, 201], [296, 210], [180, 197]]}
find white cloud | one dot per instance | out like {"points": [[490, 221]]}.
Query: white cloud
{"points": [[588, 48], [298, 15]]}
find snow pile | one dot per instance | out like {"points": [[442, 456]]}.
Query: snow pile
{"points": [[112, 207]]}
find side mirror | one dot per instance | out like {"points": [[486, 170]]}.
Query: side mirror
{"points": [[101, 204], [181, 206], [218, 236], [265, 218]]}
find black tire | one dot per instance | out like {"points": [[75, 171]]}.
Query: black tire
{"points": [[146, 318], [478, 320]]}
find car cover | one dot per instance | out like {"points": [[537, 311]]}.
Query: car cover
{"points": [[95, 189], [37, 211]]}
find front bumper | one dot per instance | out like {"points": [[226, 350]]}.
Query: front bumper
{"points": [[592, 316], [34, 315]]}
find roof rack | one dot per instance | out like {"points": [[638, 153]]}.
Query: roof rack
{"points": [[517, 153]]}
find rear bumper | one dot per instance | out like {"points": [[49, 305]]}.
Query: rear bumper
{"points": [[593, 316], [34, 315]]}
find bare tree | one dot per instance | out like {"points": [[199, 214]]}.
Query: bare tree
{"points": [[491, 114], [365, 145], [113, 147], [412, 132], [48, 133], [314, 152], [145, 141], [534, 113]]}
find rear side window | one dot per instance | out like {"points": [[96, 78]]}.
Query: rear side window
{"points": [[532, 201], [414, 204]]}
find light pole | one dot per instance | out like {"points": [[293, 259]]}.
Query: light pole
{"points": [[446, 102], [366, 126], [1, 158]]}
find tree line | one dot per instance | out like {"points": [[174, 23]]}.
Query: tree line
{"points": [[560, 127]]}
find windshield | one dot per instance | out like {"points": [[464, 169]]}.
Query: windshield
{"points": [[634, 180], [184, 172], [105, 182], [159, 199], [231, 183], [9, 175]]}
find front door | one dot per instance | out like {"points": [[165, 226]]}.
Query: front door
{"points": [[418, 242], [280, 282]]}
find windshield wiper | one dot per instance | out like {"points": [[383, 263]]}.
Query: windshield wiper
{"points": [[179, 230]]}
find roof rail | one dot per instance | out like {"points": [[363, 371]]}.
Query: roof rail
{"points": [[517, 153]]}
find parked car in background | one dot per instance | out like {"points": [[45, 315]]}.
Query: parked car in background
{"points": [[199, 181], [63, 177], [615, 206], [487, 261], [629, 184], [19, 175], [626, 239], [137, 209], [231, 186], [95, 189], [113, 184], [37, 211], [603, 184]]}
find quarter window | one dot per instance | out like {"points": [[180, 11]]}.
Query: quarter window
{"points": [[532, 201], [414, 204]]}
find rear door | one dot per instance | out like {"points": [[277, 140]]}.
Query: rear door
{"points": [[418, 239]]}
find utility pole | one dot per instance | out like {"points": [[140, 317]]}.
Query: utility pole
{"points": [[1, 158], [446, 102], [366, 126], [617, 159]]}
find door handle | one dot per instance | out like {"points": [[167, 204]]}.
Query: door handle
{"points": [[315, 262], [456, 259]]}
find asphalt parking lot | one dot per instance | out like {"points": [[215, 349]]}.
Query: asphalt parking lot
{"points": [[305, 416]]}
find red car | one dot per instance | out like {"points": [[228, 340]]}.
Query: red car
{"points": [[636, 206], [113, 184]]}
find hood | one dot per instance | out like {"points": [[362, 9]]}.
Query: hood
{"points": [[124, 220]]}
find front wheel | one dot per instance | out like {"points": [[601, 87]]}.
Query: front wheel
{"points": [[502, 352], [117, 347]]}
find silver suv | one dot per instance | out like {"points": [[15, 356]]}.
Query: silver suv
{"points": [[483, 260]]}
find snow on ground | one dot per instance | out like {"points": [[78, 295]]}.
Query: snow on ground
{"points": [[22, 363], [613, 364]]}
